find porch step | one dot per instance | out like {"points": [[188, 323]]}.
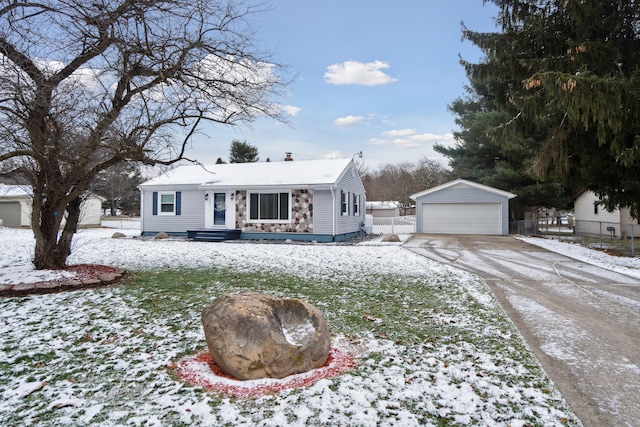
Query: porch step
{"points": [[213, 235]]}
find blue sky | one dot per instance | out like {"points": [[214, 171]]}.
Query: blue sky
{"points": [[368, 75]]}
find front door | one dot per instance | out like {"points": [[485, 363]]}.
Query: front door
{"points": [[219, 209]]}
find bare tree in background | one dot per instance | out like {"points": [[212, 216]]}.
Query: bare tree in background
{"points": [[397, 182], [86, 85], [118, 185]]}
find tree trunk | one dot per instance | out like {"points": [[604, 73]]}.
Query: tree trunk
{"points": [[63, 249], [51, 253]]}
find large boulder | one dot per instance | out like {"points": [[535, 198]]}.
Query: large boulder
{"points": [[251, 335]]}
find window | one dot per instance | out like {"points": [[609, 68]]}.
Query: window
{"points": [[166, 203], [356, 205], [595, 208], [269, 206], [344, 202]]}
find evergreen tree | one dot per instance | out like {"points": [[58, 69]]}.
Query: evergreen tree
{"points": [[567, 75], [481, 157], [242, 152], [220, 161]]}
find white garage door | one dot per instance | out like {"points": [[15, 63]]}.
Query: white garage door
{"points": [[462, 218], [10, 214]]}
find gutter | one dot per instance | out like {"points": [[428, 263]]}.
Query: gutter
{"points": [[333, 213]]}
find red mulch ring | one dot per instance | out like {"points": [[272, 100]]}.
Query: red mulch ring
{"points": [[85, 276], [201, 370]]}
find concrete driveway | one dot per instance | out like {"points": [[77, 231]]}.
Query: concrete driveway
{"points": [[581, 321]]}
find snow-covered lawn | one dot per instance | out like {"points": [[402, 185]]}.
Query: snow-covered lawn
{"points": [[431, 344]]}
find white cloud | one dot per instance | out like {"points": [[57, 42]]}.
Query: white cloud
{"points": [[406, 143], [348, 120], [358, 73], [291, 110], [432, 137], [408, 138], [399, 132]]}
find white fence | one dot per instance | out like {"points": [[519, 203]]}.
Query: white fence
{"points": [[121, 222], [391, 225]]}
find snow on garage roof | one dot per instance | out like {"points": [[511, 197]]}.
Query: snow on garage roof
{"points": [[239, 175], [463, 183], [15, 190]]}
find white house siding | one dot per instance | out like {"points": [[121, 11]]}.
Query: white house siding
{"points": [[323, 209], [584, 211], [465, 222], [191, 215], [349, 182], [90, 212]]}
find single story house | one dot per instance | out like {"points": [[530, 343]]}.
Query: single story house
{"points": [[16, 207], [462, 207], [592, 218], [309, 200], [383, 209]]}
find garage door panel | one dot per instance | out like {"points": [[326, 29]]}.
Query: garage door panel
{"points": [[462, 218], [10, 213]]}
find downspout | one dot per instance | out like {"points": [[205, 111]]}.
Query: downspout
{"points": [[333, 222], [141, 210]]}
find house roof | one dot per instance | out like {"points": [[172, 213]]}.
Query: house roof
{"points": [[15, 190], [307, 173], [26, 191], [463, 183]]}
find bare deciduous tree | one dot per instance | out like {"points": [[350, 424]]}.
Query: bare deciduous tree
{"points": [[85, 86], [397, 182]]}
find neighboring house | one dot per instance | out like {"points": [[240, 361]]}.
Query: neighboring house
{"points": [[383, 209], [462, 207], [617, 223], [320, 200], [16, 206]]}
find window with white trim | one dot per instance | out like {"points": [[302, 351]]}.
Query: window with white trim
{"points": [[344, 202], [167, 203], [269, 207]]}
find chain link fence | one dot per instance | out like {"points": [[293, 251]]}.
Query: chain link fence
{"points": [[615, 237], [391, 225]]}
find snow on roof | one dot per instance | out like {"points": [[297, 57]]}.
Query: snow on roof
{"points": [[15, 190], [388, 204], [464, 183], [303, 173]]}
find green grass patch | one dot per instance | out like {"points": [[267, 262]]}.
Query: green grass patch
{"points": [[422, 343]]}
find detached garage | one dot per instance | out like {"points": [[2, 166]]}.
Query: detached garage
{"points": [[462, 207]]}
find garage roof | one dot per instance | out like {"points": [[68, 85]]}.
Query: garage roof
{"points": [[463, 183]]}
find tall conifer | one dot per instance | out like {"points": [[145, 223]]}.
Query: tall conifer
{"points": [[567, 74]]}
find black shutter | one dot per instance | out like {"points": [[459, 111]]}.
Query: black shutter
{"points": [[155, 203]]}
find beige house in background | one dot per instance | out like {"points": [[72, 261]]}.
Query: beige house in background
{"points": [[593, 218], [16, 206], [383, 209]]}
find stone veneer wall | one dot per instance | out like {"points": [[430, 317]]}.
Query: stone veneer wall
{"points": [[301, 204]]}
